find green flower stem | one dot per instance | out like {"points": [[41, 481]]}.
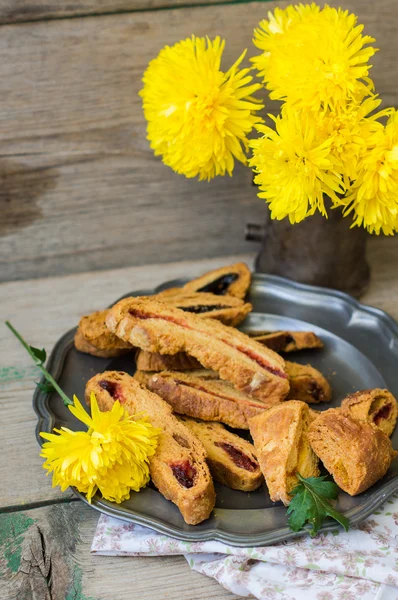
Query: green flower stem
{"points": [[39, 364]]}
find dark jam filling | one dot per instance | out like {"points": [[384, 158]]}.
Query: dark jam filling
{"points": [[316, 391], [383, 413], [202, 308], [185, 473], [181, 441], [237, 456], [219, 286], [114, 389], [139, 314]]}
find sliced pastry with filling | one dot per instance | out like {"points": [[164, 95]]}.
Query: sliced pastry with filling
{"points": [[153, 361], [233, 280], [93, 337], [287, 341], [378, 407], [280, 436], [197, 394], [307, 384], [231, 459], [228, 309], [156, 327], [178, 469], [355, 453]]}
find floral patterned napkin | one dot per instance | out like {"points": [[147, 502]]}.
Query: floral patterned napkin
{"points": [[361, 564]]}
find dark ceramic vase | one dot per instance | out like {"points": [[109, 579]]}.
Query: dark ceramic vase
{"points": [[317, 251]]}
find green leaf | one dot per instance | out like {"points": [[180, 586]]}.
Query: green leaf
{"points": [[46, 387], [310, 504], [40, 354]]}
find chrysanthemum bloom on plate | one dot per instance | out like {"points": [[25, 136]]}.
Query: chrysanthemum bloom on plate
{"points": [[295, 166], [313, 57], [373, 199], [199, 116], [112, 456]]}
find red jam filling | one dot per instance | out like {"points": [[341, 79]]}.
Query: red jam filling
{"points": [[185, 473], [261, 361], [201, 388], [114, 389], [383, 413], [237, 456]]}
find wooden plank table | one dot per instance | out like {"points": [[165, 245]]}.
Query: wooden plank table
{"points": [[38, 525]]}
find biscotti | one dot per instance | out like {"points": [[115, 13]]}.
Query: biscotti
{"points": [[178, 469], [280, 437], [228, 309], [232, 460], [287, 341], [378, 407], [153, 361], [354, 452], [233, 280], [93, 337], [198, 396], [156, 327], [307, 384]]}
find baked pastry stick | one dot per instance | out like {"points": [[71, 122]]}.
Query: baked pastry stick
{"points": [[195, 395], [307, 384], [233, 280], [280, 437], [287, 341], [228, 309], [355, 453], [152, 325], [231, 459], [378, 407], [153, 361], [93, 337], [178, 469]]}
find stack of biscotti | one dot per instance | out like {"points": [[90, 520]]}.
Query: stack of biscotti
{"points": [[178, 468]]}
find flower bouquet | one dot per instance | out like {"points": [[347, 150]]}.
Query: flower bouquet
{"points": [[330, 151]]}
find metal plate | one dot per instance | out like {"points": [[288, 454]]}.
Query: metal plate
{"points": [[361, 351]]}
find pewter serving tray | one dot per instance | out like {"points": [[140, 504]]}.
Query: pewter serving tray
{"points": [[361, 351]]}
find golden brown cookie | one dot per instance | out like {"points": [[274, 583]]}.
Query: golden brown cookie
{"points": [[378, 407], [280, 437], [153, 361], [93, 337], [156, 327], [198, 396], [354, 452], [287, 341], [178, 469], [232, 460], [228, 309], [233, 280], [307, 384]]}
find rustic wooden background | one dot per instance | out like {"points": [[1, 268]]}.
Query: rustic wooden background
{"points": [[79, 186]]}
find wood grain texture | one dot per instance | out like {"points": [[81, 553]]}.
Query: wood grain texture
{"points": [[52, 561], [12, 11], [80, 188]]}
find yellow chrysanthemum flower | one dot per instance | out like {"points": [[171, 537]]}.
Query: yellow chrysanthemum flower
{"points": [[374, 195], [312, 57], [294, 166], [112, 456], [351, 127], [198, 116]]}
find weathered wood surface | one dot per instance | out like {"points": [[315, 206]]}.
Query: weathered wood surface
{"points": [[45, 555], [12, 11], [80, 188]]}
